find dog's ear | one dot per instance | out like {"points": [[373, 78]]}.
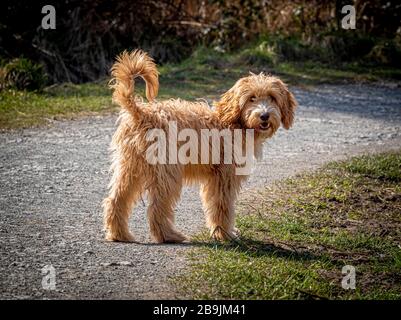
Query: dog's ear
{"points": [[288, 105], [228, 108]]}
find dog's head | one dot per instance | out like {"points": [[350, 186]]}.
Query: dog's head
{"points": [[259, 102]]}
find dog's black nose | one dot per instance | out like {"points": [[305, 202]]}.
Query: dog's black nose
{"points": [[264, 116]]}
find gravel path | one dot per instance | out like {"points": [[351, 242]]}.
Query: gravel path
{"points": [[53, 180]]}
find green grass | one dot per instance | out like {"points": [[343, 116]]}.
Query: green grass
{"points": [[312, 73], [386, 167], [206, 74], [298, 234], [25, 109]]}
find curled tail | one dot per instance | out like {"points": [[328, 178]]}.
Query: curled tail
{"points": [[127, 67]]}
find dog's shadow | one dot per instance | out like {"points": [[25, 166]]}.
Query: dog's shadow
{"points": [[257, 248], [252, 247]]}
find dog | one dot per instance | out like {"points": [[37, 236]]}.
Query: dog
{"points": [[258, 102]]}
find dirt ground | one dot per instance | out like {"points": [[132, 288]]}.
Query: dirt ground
{"points": [[53, 181]]}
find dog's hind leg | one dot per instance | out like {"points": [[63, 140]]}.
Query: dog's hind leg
{"points": [[162, 200], [218, 196], [125, 190]]}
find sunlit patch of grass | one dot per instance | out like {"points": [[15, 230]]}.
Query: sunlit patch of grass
{"points": [[387, 167], [297, 235], [313, 73], [24, 109]]}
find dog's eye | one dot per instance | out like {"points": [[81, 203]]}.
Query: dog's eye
{"points": [[252, 99]]}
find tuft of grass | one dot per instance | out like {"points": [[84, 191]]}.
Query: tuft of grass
{"points": [[297, 235], [386, 167], [261, 55]]}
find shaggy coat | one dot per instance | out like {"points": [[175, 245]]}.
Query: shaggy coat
{"points": [[259, 102]]}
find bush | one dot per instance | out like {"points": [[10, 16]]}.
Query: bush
{"points": [[263, 55], [292, 49], [386, 53], [333, 48], [21, 73]]}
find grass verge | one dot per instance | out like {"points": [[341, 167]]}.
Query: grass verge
{"points": [[21, 109], [206, 74], [297, 235]]}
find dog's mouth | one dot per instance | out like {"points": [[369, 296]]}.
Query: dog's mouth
{"points": [[264, 126]]}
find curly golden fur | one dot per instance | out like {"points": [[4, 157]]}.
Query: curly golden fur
{"points": [[260, 102]]}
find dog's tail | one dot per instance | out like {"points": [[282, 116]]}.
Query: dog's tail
{"points": [[127, 67]]}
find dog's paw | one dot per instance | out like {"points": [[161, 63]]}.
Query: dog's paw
{"points": [[126, 237], [175, 237], [219, 234], [171, 237]]}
